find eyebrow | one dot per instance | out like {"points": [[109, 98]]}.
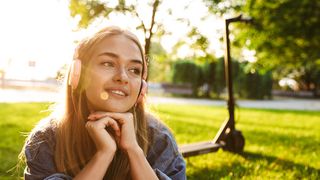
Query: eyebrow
{"points": [[137, 61]]}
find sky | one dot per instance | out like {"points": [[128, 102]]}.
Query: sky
{"points": [[37, 37]]}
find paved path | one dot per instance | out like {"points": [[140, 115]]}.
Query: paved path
{"points": [[293, 104], [11, 95]]}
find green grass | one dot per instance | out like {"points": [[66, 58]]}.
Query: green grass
{"points": [[279, 144], [16, 120]]}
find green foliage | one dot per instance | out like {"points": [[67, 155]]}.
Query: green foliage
{"points": [[187, 72], [213, 73], [256, 86], [88, 10], [159, 64], [280, 144], [284, 34], [250, 82], [200, 42], [208, 71], [219, 80], [61, 73], [208, 80]]}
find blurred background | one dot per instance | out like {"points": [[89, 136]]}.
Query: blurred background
{"points": [[275, 72], [277, 54]]}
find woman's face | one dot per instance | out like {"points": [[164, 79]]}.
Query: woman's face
{"points": [[115, 68]]}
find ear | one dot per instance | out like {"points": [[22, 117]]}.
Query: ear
{"points": [[74, 73], [143, 91]]}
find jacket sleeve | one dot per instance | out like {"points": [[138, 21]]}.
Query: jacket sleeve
{"points": [[175, 171], [40, 162], [164, 156]]}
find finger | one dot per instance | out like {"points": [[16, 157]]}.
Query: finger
{"points": [[105, 122], [96, 115], [119, 117], [111, 123]]}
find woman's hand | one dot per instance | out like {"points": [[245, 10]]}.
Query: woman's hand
{"points": [[104, 141], [127, 140], [140, 168], [106, 147]]}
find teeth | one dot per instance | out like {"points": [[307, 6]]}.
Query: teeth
{"points": [[118, 92]]}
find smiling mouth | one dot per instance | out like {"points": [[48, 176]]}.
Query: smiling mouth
{"points": [[117, 92]]}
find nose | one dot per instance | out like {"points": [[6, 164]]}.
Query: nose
{"points": [[121, 76]]}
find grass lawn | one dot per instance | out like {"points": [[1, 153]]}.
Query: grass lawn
{"points": [[279, 144]]}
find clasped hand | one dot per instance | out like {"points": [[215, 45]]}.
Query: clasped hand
{"points": [[121, 123]]}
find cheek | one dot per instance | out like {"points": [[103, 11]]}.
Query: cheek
{"points": [[135, 86], [94, 84], [91, 93], [96, 77]]}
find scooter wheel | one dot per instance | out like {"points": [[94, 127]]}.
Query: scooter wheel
{"points": [[234, 142]]}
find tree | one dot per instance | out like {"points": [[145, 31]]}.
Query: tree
{"points": [[187, 72], [89, 10], [61, 73], [159, 64], [285, 35]]}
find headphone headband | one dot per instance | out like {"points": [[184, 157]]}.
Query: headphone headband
{"points": [[75, 72]]}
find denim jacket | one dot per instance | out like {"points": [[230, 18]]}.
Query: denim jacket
{"points": [[163, 155]]}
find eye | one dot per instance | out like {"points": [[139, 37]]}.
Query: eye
{"points": [[107, 64], [136, 71]]}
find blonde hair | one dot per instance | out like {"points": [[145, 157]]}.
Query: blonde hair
{"points": [[74, 146]]}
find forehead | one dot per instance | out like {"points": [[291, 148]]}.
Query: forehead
{"points": [[120, 45]]}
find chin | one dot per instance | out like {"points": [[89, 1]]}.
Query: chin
{"points": [[112, 106], [117, 106], [117, 109]]}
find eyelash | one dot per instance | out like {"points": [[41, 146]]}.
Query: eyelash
{"points": [[108, 64], [136, 71]]}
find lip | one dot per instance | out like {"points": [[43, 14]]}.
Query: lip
{"points": [[125, 91]]}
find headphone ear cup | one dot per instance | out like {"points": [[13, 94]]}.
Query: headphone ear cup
{"points": [[75, 72], [143, 91]]}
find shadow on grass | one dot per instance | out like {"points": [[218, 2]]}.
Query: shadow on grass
{"points": [[301, 144], [237, 169], [303, 170]]}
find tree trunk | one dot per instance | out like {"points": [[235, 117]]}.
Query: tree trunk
{"points": [[149, 33]]}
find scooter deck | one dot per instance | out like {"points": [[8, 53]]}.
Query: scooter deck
{"points": [[199, 148]]}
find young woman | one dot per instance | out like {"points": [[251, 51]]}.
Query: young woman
{"points": [[102, 130]]}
